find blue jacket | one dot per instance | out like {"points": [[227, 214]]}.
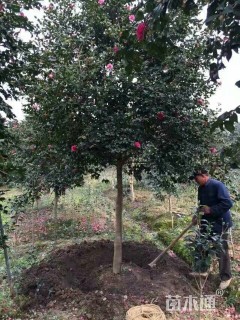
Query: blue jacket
{"points": [[215, 195]]}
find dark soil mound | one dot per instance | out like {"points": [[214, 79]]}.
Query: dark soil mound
{"points": [[82, 276]]}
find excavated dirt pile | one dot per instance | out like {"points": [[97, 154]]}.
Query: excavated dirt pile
{"points": [[81, 276]]}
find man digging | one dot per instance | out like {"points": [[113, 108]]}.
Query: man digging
{"points": [[215, 202]]}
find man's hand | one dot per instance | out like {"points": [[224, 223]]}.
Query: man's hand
{"points": [[205, 209]]}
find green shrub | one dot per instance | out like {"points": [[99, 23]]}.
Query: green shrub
{"points": [[164, 224], [179, 248]]}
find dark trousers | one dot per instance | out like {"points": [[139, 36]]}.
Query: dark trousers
{"points": [[224, 260], [204, 263]]}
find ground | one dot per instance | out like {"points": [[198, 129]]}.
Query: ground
{"points": [[63, 266], [81, 276]]}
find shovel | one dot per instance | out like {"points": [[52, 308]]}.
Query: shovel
{"points": [[153, 263]]}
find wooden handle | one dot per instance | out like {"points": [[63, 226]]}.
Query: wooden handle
{"points": [[153, 263]]}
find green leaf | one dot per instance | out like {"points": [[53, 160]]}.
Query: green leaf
{"points": [[160, 10], [228, 9], [222, 155], [150, 5], [224, 116], [235, 47], [215, 125], [189, 6], [15, 8], [238, 109], [238, 84], [211, 18], [125, 34], [211, 10], [229, 125], [234, 117], [129, 69], [229, 54], [139, 16]]}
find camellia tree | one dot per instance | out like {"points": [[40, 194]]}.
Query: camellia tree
{"points": [[41, 166], [85, 99]]}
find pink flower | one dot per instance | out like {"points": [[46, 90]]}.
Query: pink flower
{"points": [[160, 115], [74, 148], [33, 147], [140, 32], [109, 67], [51, 75], [22, 14], [115, 49], [15, 125], [131, 18], [137, 144], [71, 5], [1, 8], [51, 6], [200, 101], [213, 150], [128, 7], [101, 2], [36, 106]]}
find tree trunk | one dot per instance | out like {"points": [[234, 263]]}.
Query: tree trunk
{"points": [[117, 259], [33, 222], [37, 203], [5, 251], [132, 193], [113, 179], [55, 207], [170, 208]]}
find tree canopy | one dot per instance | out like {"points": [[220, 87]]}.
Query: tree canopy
{"points": [[14, 53]]}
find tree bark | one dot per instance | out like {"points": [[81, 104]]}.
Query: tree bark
{"points": [[170, 208], [55, 207], [32, 225], [117, 258], [5, 251], [37, 203], [131, 183]]}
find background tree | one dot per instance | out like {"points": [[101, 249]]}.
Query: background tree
{"points": [[14, 53], [42, 166]]}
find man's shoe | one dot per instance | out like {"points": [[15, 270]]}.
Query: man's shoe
{"points": [[225, 284], [198, 274]]}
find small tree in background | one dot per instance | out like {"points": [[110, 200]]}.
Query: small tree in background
{"points": [[42, 166], [14, 53]]}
